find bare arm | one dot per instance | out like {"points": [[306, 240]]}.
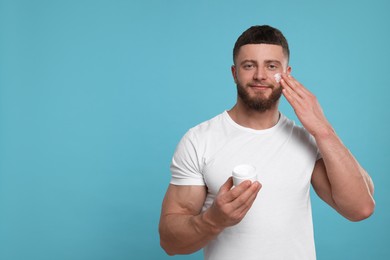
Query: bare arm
{"points": [[184, 229], [181, 224], [337, 178], [357, 203]]}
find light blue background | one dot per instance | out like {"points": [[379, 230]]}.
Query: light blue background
{"points": [[95, 95]]}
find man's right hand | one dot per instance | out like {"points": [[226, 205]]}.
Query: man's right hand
{"points": [[231, 205], [184, 229]]}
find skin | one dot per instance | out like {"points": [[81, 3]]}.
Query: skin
{"points": [[337, 178]]}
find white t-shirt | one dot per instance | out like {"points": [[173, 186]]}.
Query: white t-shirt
{"points": [[279, 224]]}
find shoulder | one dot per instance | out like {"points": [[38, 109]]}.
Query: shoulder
{"points": [[209, 125], [207, 128], [200, 135]]}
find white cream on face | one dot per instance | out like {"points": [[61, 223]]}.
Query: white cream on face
{"points": [[278, 77]]}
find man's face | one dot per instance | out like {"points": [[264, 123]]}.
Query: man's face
{"points": [[253, 72]]}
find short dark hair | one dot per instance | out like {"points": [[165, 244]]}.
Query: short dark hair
{"points": [[261, 34]]}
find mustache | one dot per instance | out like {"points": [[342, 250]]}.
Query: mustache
{"points": [[254, 83]]}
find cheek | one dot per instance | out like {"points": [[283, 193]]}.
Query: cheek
{"points": [[244, 76], [277, 77]]}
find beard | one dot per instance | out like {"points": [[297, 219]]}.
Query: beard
{"points": [[259, 103]]}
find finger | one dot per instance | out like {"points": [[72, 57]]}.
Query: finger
{"points": [[234, 193], [243, 209], [246, 196], [296, 86], [252, 192], [289, 94], [227, 185], [291, 86], [295, 97]]}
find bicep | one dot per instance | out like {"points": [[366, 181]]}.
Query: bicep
{"points": [[184, 199]]}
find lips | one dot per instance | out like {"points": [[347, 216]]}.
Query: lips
{"points": [[260, 87]]}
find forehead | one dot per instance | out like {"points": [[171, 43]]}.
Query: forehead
{"points": [[261, 52]]}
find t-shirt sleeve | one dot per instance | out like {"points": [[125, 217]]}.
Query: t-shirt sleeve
{"points": [[318, 153], [185, 165]]}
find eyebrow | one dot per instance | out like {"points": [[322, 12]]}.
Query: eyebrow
{"points": [[273, 61], [266, 62]]}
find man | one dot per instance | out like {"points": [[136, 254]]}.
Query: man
{"points": [[269, 218]]}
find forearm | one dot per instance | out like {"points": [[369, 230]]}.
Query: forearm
{"points": [[342, 182], [351, 186], [186, 234]]}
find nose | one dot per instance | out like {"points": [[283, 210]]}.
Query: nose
{"points": [[260, 74]]}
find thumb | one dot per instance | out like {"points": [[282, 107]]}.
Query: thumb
{"points": [[227, 185]]}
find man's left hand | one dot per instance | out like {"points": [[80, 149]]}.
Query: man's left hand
{"points": [[305, 105]]}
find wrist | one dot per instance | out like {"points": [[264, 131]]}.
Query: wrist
{"points": [[211, 226], [324, 133]]}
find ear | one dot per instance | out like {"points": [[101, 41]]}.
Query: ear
{"points": [[288, 71], [234, 73]]}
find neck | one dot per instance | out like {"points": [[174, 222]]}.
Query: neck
{"points": [[258, 120]]}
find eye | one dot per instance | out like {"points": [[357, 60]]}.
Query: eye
{"points": [[248, 66], [272, 66]]}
